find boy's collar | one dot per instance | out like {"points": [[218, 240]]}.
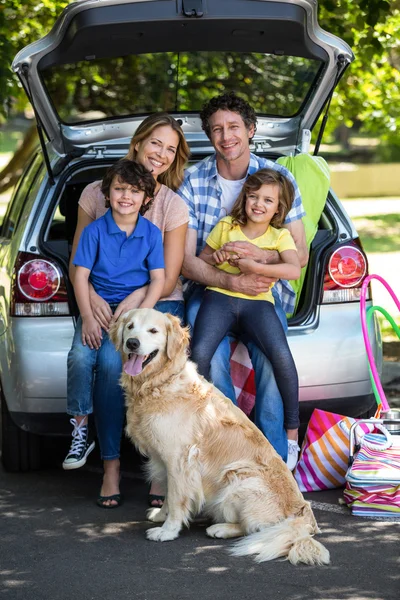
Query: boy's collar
{"points": [[112, 227]]}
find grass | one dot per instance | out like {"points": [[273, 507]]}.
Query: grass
{"points": [[379, 233], [388, 333], [9, 140]]}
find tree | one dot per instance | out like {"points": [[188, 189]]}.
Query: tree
{"points": [[368, 94], [21, 23]]}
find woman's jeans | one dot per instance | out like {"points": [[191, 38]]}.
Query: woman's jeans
{"points": [[269, 416], [93, 384]]}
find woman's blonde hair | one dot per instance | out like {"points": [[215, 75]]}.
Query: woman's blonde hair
{"points": [[173, 176], [252, 184]]}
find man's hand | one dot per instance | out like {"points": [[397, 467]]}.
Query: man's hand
{"points": [[91, 332], [101, 309], [249, 250], [132, 301], [252, 284]]}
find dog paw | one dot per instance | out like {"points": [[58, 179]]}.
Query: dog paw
{"points": [[216, 531], [224, 530], [159, 534], [156, 515]]}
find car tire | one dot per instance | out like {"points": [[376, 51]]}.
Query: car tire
{"points": [[20, 450]]}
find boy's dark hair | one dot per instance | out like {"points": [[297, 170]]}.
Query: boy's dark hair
{"points": [[131, 172], [253, 183], [232, 102]]}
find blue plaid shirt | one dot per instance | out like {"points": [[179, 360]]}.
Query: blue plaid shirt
{"points": [[202, 193]]}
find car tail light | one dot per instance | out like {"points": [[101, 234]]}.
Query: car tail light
{"points": [[38, 288], [345, 271]]}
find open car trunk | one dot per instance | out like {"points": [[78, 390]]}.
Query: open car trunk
{"points": [[59, 228]]}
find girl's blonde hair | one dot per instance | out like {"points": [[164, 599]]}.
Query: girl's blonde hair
{"points": [[173, 176], [252, 184]]}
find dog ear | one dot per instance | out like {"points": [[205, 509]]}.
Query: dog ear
{"points": [[177, 336], [116, 331]]}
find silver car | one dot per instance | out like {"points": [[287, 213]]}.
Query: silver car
{"points": [[103, 68]]}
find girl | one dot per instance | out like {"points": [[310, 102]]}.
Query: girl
{"points": [[257, 216]]}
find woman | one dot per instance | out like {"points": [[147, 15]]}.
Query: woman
{"points": [[160, 146]]}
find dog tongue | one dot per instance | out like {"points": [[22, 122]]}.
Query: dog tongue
{"points": [[133, 366]]}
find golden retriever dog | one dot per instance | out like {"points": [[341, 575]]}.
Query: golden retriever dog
{"points": [[211, 457]]}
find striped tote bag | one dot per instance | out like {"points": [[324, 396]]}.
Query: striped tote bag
{"points": [[324, 455], [373, 479]]}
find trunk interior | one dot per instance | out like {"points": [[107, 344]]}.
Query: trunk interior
{"points": [[59, 227]]}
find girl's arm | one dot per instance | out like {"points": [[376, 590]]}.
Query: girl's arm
{"points": [[154, 289], [91, 330], [289, 267], [174, 248], [213, 257], [101, 309]]}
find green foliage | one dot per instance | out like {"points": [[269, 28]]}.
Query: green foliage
{"points": [[368, 95], [21, 22], [369, 92], [173, 82]]}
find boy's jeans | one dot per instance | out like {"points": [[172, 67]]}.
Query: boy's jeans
{"points": [[268, 404], [93, 384]]}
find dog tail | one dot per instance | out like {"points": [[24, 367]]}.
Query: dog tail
{"points": [[291, 538]]}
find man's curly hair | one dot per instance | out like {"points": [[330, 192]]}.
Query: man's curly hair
{"points": [[229, 101], [134, 174]]}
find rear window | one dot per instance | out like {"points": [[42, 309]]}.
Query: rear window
{"points": [[179, 82]]}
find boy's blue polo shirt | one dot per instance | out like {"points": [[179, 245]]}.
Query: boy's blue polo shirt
{"points": [[119, 264]]}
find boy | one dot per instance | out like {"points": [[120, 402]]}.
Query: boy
{"points": [[118, 253]]}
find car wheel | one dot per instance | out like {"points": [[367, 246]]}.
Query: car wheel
{"points": [[20, 450]]}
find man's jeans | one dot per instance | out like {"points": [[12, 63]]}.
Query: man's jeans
{"points": [[93, 384], [268, 404]]}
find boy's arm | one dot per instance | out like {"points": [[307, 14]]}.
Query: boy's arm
{"points": [[91, 330], [154, 289], [289, 267]]}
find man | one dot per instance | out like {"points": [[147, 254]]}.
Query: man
{"points": [[210, 189]]}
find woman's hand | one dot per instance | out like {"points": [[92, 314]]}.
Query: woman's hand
{"points": [[91, 332], [132, 301], [101, 309]]}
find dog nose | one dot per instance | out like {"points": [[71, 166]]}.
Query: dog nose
{"points": [[132, 344]]}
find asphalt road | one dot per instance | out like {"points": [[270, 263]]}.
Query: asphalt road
{"points": [[56, 543]]}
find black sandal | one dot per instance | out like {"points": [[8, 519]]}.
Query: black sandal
{"points": [[115, 497], [156, 498]]}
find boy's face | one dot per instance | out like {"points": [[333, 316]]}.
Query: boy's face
{"points": [[125, 199]]}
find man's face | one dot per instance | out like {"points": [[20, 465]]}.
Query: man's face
{"points": [[229, 135]]}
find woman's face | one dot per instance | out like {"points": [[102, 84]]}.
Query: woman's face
{"points": [[157, 152]]}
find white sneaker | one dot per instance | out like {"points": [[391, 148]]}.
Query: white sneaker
{"points": [[81, 446], [293, 454]]}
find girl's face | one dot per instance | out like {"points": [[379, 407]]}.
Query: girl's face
{"points": [[262, 204], [158, 151]]}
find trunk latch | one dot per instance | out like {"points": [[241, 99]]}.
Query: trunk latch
{"points": [[192, 8]]}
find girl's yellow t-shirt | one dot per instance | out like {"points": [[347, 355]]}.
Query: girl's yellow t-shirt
{"points": [[272, 239]]}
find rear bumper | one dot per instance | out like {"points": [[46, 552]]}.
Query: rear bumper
{"points": [[329, 354]]}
